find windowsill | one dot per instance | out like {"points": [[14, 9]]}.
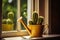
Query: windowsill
{"points": [[14, 33], [24, 33], [45, 37]]}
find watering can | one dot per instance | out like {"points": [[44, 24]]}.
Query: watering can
{"points": [[33, 30]]}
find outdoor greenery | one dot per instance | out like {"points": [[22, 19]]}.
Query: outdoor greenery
{"points": [[9, 11], [24, 11]]}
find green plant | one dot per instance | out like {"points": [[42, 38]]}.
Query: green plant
{"points": [[4, 21], [36, 19], [40, 20], [9, 21], [30, 22], [11, 15], [10, 18]]}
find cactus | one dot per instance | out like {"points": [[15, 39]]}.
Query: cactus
{"points": [[11, 15], [9, 21], [35, 17], [4, 21], [30, 22], [10, 18], [40, 20], [36, 20]]}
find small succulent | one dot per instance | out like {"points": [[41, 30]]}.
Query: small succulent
{"points": [[9, 21], [36, 19], [10, 18], [11, 15], [40, 20], [30, 22], [4, 21]]}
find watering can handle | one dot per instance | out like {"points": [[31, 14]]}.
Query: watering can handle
{"points": [[21, 21]]}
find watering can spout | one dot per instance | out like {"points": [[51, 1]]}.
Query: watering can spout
{"points": [[25, 26]]}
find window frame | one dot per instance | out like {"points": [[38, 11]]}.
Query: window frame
{"points": [[18, 30]]}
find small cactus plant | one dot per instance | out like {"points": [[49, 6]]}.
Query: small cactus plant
{"points": [[36, 20], [4, 21], [35, 17], [40, 20], [30, 22], [10, 18], [9, 21], [11, 15], [7, 24]]}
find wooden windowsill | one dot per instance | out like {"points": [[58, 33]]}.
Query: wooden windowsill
{"points": [[45, 37], [13, 33]]}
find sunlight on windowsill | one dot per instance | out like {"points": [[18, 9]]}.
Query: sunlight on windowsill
{"points": [[14, 33]]}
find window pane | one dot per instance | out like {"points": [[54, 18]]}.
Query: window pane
{"points": [[23, 4], [9, 10]]}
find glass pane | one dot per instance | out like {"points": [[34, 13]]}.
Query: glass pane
{"points": [[23, 5], [9, 10]]}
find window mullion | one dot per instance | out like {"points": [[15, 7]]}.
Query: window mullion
{"points": [[46, 16], [18, 15], [29, 10], [37, 6]]}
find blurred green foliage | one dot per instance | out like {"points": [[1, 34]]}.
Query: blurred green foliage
{"points": [[23, 9], [7, 8]]}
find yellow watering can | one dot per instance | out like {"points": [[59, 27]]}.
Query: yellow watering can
{"points": [[33, 30]]}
